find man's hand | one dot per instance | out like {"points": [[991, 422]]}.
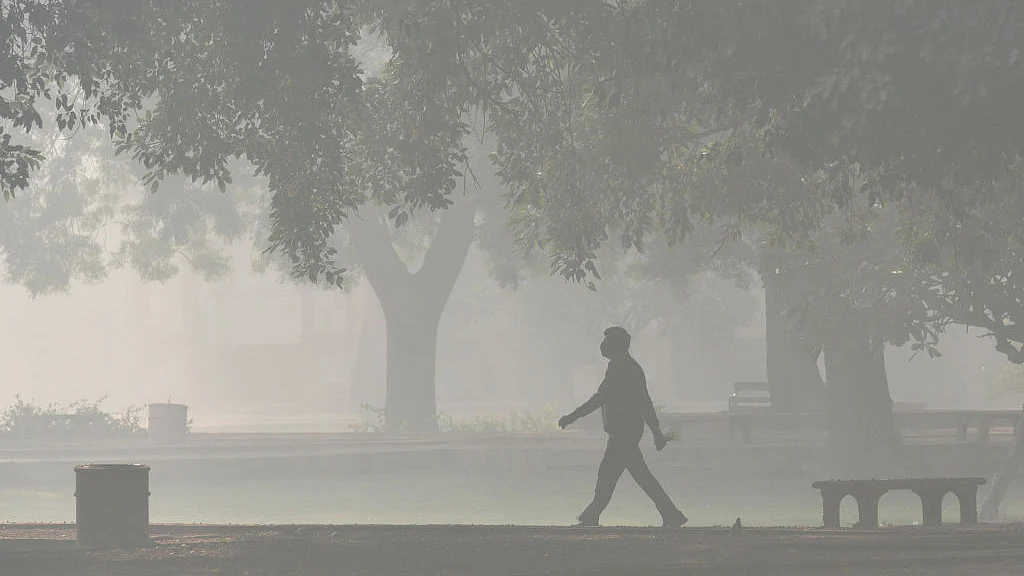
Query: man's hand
{"points": [[565, 421], [660, 441]]}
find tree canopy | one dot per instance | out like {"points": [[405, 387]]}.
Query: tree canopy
{"points": [[605, 112]]}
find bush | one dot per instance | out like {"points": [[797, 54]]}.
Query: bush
{"points": [[372, 423], [1009, 381], [81, 419], [515, 423]]}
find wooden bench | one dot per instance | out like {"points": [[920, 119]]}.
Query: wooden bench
{"points": [[868, 492], [747, 398], [750, 396]]}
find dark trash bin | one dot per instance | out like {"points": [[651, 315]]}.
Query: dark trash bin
{"points": [[112, 505]]}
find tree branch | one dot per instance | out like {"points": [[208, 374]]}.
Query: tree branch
{"points": [[376, 253], [447, 253]]}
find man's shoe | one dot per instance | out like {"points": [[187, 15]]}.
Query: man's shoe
{"points": [[675, 521], [585, 523]]}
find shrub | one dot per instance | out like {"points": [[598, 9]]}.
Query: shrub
{"points": [[525, 422], [76, 420]]}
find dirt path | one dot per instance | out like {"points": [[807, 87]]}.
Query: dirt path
{"points": [[496, 550]]}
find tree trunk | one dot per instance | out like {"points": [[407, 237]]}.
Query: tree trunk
{"points": [[413, 304], [410, 404], [794, 381], [1006, 475], [864, 442]]}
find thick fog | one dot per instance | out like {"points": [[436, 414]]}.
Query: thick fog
{"points": [[468, 263], [255, 352]]}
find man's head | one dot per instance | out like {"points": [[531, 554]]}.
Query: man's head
{"points": [[616, 343]]}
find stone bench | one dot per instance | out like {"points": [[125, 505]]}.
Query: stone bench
{"points": [[868, 492], [960, 420], [742, 422]]}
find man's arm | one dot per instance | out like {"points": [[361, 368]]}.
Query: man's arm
{"points": [[650, 414], [587, 407]]}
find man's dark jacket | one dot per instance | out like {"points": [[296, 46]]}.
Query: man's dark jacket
{"points": [[625, 403]]}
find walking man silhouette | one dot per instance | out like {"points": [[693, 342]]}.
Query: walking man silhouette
{"points": [[626, 407]]}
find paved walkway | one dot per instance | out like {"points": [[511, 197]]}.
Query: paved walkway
{"points": [[520, 550], [227, 446]]}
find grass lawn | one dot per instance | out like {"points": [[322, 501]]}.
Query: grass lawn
{"points": [[450, 498]]}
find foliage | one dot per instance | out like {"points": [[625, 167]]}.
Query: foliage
{"points": [[1009, 381], [84, 214], [975, 260], [851, 279], [79, 419], [53, 235], [525, 422], [374, 422], [23, 25], [184, 88], [831, 102], [607, 113], [188, 224]]}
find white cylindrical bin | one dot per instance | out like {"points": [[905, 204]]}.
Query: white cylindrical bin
{"points": [[168, 423]]}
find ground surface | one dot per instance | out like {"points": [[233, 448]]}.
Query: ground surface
{"points": [[403, 506], [490, 550], [529, 480]]}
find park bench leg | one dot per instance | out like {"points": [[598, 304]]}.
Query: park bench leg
{"points": [[867, 508], [830, 500], [745, 431], [968, 498], [961, 432], [983, 430], [931, 506]]}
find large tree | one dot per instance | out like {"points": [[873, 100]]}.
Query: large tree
{"points": [[598, 107], [188, 87], [598, 104], [607, 91]]}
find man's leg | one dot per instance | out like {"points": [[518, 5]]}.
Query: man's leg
{"points": [[608, 473], [650, 485]]}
